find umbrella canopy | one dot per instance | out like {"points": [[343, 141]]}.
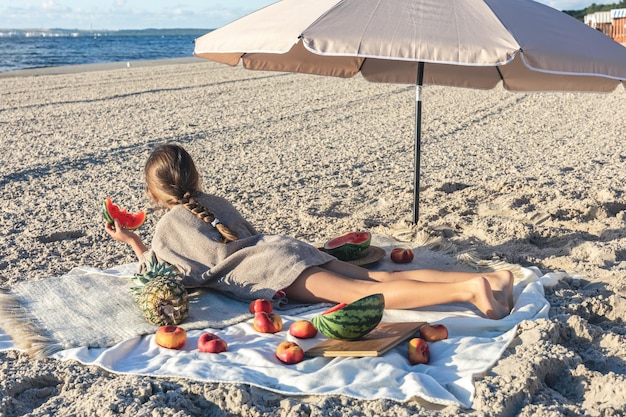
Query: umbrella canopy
{"points": [[462, 43]]}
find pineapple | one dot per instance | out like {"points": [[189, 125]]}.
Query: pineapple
{"points": [[161, 297]]}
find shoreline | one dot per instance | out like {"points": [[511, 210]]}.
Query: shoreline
{"points": [[101, 66]]}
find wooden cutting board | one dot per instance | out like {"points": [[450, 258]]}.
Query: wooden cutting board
{"points": [[380, 340]]}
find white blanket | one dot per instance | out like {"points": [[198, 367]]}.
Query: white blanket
{"points": [[474, 345]]}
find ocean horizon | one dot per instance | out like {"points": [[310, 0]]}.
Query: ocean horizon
{"points": [[41, 48]]}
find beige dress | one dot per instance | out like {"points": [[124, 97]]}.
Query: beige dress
{"points": [[254, 266]]}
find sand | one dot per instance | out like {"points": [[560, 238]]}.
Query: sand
{"points": [[533, 179]]}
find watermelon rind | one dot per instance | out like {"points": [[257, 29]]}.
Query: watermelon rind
{"points": [[349, 250], [105, 213], [353, 321]]}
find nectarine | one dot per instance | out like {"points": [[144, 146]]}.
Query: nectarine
{"points": [[302, 329], [434, 332], [418, 351], [401, 255], [171, 337], [259, 305], [268, 322], [289, 352], [211, 343]]}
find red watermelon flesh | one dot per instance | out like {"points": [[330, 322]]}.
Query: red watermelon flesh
{"points": [[127, 220], [335, 308]]}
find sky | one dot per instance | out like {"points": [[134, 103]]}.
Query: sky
{"points": [[161, 14]]}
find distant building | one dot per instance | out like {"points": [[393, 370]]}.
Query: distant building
{"points": [[619, 25], [612, 23], [601, 21]]}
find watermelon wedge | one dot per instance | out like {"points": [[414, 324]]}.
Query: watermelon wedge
{"points": [[349, 246], [130, 221], [351, 321]]}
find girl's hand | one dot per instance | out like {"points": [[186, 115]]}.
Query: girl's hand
{"points": [[118, 233]]}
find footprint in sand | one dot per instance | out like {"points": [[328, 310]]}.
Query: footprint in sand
{"points": [[58, 236]]}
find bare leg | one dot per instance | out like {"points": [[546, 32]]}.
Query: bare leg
{"points": [[501, 282], [321, 285]]}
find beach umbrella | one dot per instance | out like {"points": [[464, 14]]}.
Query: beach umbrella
{"points": [[521, 44]]}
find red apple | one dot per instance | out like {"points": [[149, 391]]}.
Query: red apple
{"points": [[289, 352], [418, 351], [210, 343], [302, 329], [401, 255], [259, 305], [170, 336], [267, 322], [433, 333]]}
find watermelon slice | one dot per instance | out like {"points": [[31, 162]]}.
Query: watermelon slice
{"points": [[130, 221], [351, 321], [349, 246]]}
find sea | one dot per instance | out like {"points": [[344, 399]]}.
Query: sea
{"points": [[37, 48]]}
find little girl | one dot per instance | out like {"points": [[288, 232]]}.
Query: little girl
{"points": [[213, 246]]}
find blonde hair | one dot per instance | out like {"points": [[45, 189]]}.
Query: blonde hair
{"points": [[172, 178]]}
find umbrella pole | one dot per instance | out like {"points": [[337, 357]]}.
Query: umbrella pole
{"points": [[418, 139]]}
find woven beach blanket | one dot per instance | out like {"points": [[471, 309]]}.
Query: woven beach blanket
{"points": [[92, 308]]}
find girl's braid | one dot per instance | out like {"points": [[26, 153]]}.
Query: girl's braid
{"points": [[207, 216]]}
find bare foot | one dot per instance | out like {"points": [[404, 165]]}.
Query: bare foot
{"points": [[483, 298], [502, 283]]}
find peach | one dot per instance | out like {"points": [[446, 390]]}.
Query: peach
{"points": [[418, 351], [401, 255], [433, 333], [211, 343], [302, 329], [289, 353], [171, 337], [259, 305], [267, 322]]}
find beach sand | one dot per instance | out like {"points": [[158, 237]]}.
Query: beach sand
{"points": [[533, 179]]}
